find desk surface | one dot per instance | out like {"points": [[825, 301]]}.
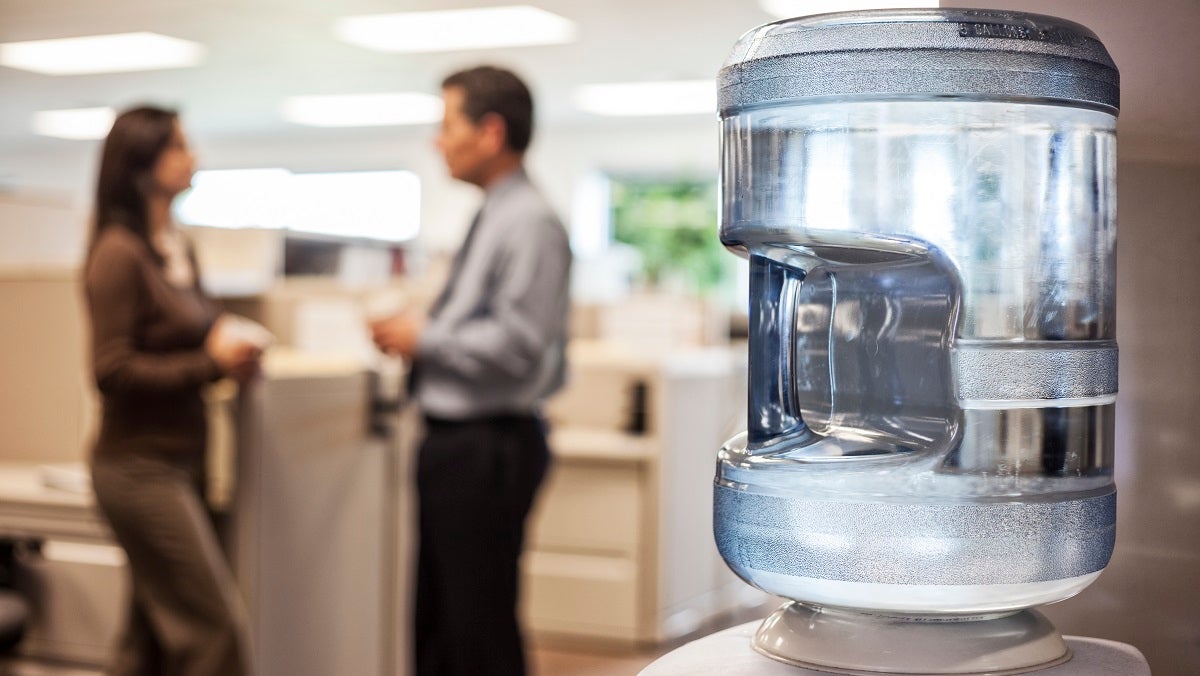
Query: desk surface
{"points": [[65, 485], [728, 653]]}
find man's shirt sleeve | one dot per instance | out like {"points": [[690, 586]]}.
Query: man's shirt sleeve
{"points": [[522, 310]]}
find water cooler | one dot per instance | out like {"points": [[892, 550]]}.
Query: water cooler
{"points": [[927, 202]]}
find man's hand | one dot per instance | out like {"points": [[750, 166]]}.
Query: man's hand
{"points": [[399, 335]]}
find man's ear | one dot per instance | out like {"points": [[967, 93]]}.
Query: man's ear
{"points": [[495, 132]]}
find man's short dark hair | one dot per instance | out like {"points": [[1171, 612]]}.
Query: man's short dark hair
{"points": [[495, 90]]}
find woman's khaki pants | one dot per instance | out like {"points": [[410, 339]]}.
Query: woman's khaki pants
{"points": [[186, 618]]}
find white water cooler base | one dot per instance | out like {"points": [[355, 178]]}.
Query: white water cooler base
{"points": [[728, 653]]}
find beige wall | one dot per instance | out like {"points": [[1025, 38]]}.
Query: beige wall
{"points": [[41, 229], [1150, 594], [46, 401]]}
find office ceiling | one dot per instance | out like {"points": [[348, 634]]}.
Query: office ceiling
{"points": [[261, 51]]}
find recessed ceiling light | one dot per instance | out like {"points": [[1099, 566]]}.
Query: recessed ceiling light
{"points": [[457, 29], [76, 123], [786, 9], [363, 110], [116, 53], [680, 97]]}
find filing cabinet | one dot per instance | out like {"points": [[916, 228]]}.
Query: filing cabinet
{"points": [[619, 547], [77, 585]]}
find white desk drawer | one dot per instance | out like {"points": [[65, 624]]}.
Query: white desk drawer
{"points": [[78, 592], [607, 497], [593, 596]]}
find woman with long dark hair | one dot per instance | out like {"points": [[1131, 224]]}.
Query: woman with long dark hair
{"points": [[156, 341]]}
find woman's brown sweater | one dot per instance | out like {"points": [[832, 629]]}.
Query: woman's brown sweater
{"points": [[147, 350]]}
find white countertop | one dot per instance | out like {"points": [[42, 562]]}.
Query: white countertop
{"points": [[286, 362], [728, 653], [584, 443], [26, 482]]}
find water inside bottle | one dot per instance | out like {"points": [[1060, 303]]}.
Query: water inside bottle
{"points": [[881, 235], [851, 379]]}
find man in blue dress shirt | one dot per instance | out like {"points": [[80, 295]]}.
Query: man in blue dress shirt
{"points": [[489, 351]]}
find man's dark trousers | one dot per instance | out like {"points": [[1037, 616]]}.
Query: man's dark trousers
{"points": [[476, 481]]}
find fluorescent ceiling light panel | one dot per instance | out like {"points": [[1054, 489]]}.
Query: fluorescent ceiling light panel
{"points": [[680, 97], [116, 53], [457, 29], [76, 123], [786, 9], [363, 110]]}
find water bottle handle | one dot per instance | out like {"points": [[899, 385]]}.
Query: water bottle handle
{"points": [[880, 382], [772, 414], [775, 416]]}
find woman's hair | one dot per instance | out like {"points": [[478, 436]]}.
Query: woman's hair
{"points": [[132, 148]]}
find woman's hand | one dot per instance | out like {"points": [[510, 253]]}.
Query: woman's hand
{"points": [[236, 356]]}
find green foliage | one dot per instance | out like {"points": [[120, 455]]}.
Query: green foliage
{"points": [[673, 224]]}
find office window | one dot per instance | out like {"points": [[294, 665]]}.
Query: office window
{"points": [[673, 225], [374, 205]]}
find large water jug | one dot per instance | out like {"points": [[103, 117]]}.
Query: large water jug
{"points": [[927, 201]]}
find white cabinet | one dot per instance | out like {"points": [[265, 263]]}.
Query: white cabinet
{"points": [[314, 534], [77, 586], [620, 544]]}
